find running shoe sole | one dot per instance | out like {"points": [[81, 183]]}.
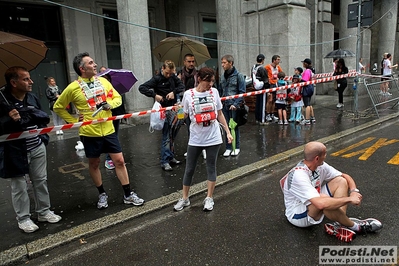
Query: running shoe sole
{"points": [[340, 232]]}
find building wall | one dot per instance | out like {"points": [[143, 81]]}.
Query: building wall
{"points": [[281, 27]]}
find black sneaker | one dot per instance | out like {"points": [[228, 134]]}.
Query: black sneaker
{"points": [[341, 232], [369, 225]]}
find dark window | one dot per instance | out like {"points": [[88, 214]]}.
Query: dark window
{"points": [[111, 32], [336, 7], [39, 22], [209, 29], [336, 37]]}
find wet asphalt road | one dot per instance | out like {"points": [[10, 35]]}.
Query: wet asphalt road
{"points": [[247, 225], [74, 196]]}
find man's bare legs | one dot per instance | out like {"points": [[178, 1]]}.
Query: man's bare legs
{"points": [[338, 188], [120, 169]]}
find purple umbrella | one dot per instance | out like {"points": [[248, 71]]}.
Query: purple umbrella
{"points": [[122, 79]]}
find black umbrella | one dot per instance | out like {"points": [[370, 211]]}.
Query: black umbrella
{"points": [[340, 53]]}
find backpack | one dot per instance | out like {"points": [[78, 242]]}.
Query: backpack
{"points": [[258, 84]]}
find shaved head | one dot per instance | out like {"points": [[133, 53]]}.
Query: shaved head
{"points": [[313, 149]]}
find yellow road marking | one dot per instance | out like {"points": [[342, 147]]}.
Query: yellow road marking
{"points": [[367, 152], [352, 146], [394, 160]]}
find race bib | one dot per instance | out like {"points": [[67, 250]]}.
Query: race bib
{"points": [[204, 110], [205, 117], [281, 96]]}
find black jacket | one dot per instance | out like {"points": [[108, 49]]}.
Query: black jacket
{"points": [[162, 86], [15, 154], [342, 71]]}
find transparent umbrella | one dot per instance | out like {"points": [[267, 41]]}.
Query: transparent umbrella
{"points": [[340, 53], [175, 48]]}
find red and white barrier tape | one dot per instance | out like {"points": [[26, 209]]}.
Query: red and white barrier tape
{"points": [[29, 133], [314, 81], [322, 75]]}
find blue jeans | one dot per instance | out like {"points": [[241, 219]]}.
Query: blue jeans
{"points": [[166, 145], [227, 115], [296, 113]]}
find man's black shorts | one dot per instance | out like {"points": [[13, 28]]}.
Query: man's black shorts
{"points": [[94, 146]]}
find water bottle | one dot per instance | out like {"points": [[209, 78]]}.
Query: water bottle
{"points": [[180, 112]]}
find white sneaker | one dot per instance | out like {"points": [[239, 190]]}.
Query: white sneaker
{"points": [[102, 201], [181, 203], [235, 152], [185, 155], [50, 217], [61, 132], [208, 204], [28, 226], [339, 105], [388, 93], [204, 154], [227, 153]]}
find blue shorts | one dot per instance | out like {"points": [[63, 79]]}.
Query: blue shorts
{"points": [[306, 100], [94, 146]]}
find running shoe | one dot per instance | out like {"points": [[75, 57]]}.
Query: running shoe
{"points": [[102, 201], [181, 203], [208, 204], [133, 199], [369, 225], [50, 217], [340, 232], [109, 164]]}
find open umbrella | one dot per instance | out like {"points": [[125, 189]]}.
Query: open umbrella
{"points": [[122, 79], [175, 48], [232, 126], [340, 53], [19, 50]]}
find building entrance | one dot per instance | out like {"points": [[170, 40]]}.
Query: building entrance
{"points": [[40, 22]]}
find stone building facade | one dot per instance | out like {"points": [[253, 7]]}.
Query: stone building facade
{"points": [[293, 29]]}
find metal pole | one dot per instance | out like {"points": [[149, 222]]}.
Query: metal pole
{"points": [[359, 22]]}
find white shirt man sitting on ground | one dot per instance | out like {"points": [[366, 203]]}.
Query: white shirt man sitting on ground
{"points": [[313, 189]]}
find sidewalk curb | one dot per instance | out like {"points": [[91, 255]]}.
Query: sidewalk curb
{"points": [[21, 253]]}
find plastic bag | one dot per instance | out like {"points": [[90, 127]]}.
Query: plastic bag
{"points": [[157, 119]]}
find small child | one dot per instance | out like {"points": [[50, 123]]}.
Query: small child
{"points": [[298, 71], [281, 96], [297, 103]]}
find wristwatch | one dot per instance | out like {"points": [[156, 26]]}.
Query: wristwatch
{"points": [[354, 190]]}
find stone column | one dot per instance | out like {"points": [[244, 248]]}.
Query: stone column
{"points": [[344, 32], [135, 51], [325, 35], [387, 28]]}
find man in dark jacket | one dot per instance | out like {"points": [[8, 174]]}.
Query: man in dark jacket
{"points": [[261, 82], [19, 111], [164, 88], [232, 83]]}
